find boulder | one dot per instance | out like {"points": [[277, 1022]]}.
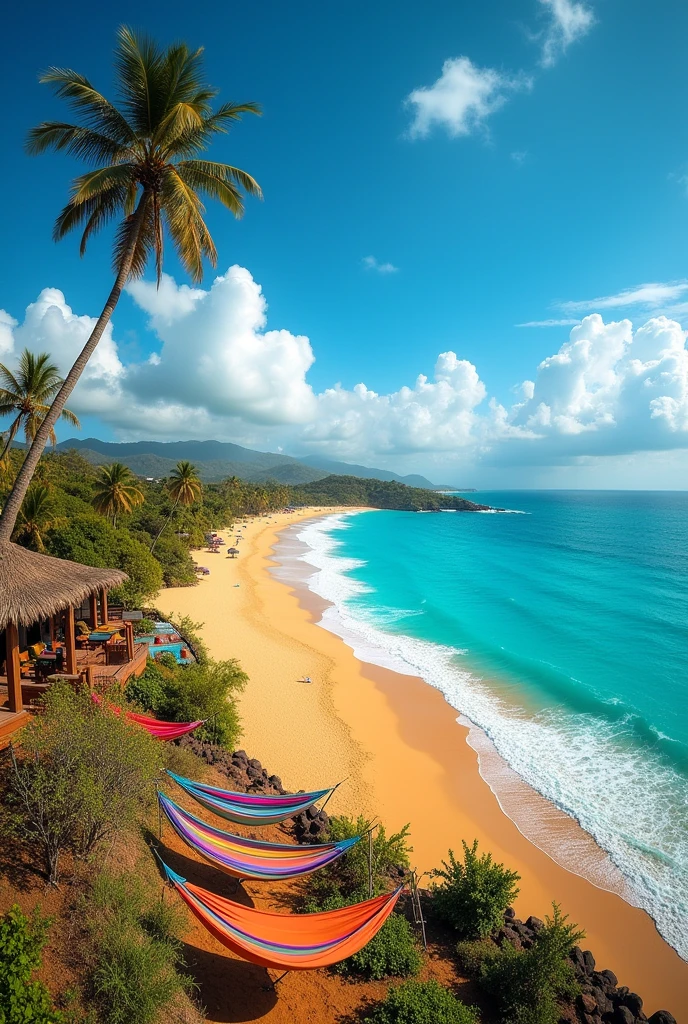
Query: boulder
{"points": [[622, 1015], [610, 980], [604, 1004], [535, 924], [589, 961], [634, 1003], [509, 914], [586, 1004], [662, 1017], [255, 763]]}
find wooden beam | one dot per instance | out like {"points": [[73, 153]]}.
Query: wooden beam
{"points": [[129, 633], [104, 606], [70, 642], [93, 602], [14, 693]]}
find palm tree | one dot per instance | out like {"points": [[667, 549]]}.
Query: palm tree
{"points": [[36, 518], [146, 173], [26, 395], [184, 488], [115, 491]]}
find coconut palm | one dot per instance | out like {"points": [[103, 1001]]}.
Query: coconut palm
{"points": [[146, 173], [36, 518], [26, 395], [183, 487], [116, 491]]}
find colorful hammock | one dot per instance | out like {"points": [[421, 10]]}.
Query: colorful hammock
{"points": [[249, 808], [250, 858], [287, 942], [160, 730]]}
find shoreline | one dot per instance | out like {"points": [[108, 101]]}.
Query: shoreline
{"points": [[406, 755]]}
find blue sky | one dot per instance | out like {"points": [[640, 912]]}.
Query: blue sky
{"points": [[433, 177]]}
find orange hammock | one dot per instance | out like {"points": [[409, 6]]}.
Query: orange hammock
{"points": [[287, 942]]}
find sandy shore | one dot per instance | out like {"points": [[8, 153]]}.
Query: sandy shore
{"points": [[398, 744]]}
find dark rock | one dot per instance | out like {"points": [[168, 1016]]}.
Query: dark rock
{"points": [[586, 1004], [535, 924], [622, 1015], [633, 1001], [610, 979], [253, 773], [509, 914], [312, 812], [589, 961], [589, 1018], [255, 763], [276, 782], [240, 755], [662, 1017], [604, 1004], [576, 957]]}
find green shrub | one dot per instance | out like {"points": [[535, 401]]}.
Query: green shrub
{"points": [[83, 774], [144, 626], [473, 895], [527, 983], [471, 955], [135, 969], [177, 564], [23, 1001], [421, 1002], [349, 874], [205, 692], [148, 691]]}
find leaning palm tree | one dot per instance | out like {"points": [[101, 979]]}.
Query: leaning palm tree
{"points": [[184, 488], [26, 395], [116, 491], [36, 517], [147, 173]]}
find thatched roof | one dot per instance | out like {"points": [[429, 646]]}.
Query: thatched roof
{"points": [[34, 586]]}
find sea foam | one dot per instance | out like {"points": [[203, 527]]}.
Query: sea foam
{"points": [[632, 802]]}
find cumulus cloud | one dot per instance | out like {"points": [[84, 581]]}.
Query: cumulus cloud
{"points": [[371, 263], [462, 98], [568, 22], [609, 389]]}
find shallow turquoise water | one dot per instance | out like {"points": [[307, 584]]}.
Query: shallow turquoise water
{"points": [[563, 633]]}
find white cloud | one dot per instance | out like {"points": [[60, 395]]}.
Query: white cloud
{"points": [[548, 323], [167, 302], [650, 295], [608, 390], [569, 21], [371, 263], [519, 156], [462, 98]]}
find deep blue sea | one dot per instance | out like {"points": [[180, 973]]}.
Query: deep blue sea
{"points": [[562, 633]]}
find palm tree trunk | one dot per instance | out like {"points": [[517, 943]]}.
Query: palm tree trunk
{"points": [[10, 512], [163, 526]]}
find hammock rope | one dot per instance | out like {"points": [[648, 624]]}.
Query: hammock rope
{"points": [[249, 808], [286, 942], [249, 858]]}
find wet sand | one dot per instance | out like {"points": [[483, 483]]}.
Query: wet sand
{"points": [[404, 755]]}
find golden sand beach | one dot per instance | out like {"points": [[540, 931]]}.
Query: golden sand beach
{"points": [[402, 752]]}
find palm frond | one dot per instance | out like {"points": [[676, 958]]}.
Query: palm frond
{"points": [[98, 112], [139, 67], [83, 143], [102, 179]]}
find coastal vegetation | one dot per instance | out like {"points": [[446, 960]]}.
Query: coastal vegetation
{"points": [[23, 998], [474, 893]]}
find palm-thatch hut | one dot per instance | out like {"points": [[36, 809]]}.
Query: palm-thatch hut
{"points": [[38, 588]]}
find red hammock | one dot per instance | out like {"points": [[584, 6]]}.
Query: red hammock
{"points": [[160, 730]]}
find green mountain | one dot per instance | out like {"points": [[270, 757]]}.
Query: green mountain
{"points": [[217, 460]]}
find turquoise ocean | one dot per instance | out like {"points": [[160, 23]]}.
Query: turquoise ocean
{"points": [[561, 631]]}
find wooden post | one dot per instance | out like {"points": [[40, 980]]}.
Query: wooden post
{"points": [[89, 677], [70, 642], [14, 693], [129, 632], [104, 606], [370, 864], [93, 602], [53, 630]]}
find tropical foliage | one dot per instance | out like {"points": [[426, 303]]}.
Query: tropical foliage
{"points": [[473, 893], [22, 999], [37, 517], [116, 491], [184, 488], [26, 394], [147, 174], [419, 1002]]}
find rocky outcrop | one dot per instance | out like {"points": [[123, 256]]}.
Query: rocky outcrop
{"points": [[246, 775], [601, 999]]}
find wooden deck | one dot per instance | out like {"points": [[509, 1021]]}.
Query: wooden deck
{"points": [[89, 662]]}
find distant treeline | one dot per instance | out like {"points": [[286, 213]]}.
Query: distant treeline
{"points": [[152, 540]]}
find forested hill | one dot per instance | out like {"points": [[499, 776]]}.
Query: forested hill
{"points": [[351, 490]]}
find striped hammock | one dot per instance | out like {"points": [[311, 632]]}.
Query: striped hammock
{"points": [[160, 730], [287, 942], [249, 808], [249, 858]]}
